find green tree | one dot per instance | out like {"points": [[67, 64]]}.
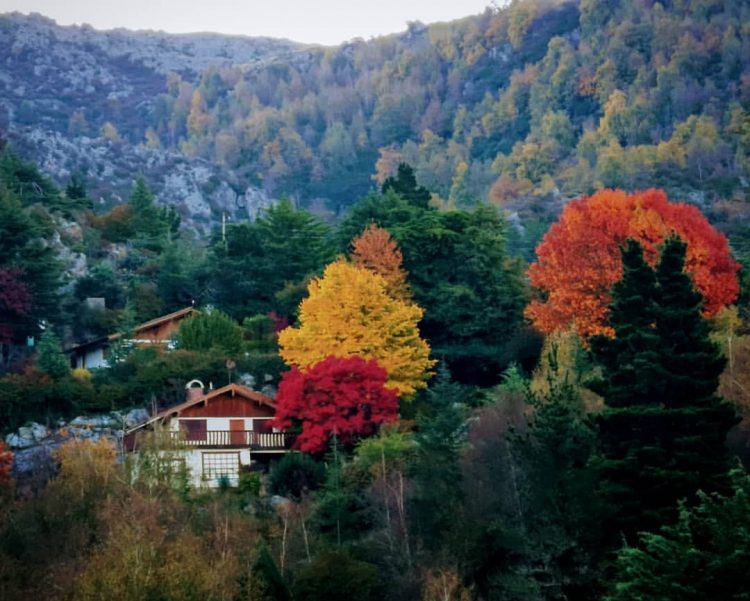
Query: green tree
{"points": [[440, 436], [256, 264], [703, 556], [23, 247], [405, 185], [49, 356], [211, 329], [663, 429]]}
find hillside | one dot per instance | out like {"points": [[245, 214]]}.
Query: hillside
{"points": [[526, 106]]}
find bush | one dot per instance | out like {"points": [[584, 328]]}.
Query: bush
{"points": [[296, 474]]}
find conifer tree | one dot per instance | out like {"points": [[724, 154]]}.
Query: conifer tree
{"points": [[50, 357], [661, 434]]}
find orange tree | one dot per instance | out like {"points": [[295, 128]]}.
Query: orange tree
{"points": [[578, 260], [349, 312], [376, 250]]}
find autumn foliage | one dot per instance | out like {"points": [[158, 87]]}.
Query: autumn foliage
{"points": [[377, 251], [578, 260], [6, 464], [347, 397], [349, 312], [15, 300]]}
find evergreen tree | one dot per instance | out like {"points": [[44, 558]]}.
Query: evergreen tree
{"points": [[405, 185], [703, 556], [24, 251], [441, 433], [661, 434], [50, 358]]}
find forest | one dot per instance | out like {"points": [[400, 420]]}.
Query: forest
{"points": [[515, 359]]}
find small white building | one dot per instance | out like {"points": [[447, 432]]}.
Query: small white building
{"points": [[218, 433]]}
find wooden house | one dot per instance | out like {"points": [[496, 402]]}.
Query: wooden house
{"points": [[160, 331], [217, 434]]}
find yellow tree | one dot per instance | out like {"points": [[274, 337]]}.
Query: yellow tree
{"points": [[348, 312], [374, 249]]}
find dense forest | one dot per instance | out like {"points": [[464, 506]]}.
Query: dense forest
{"points": [[515, 355]]}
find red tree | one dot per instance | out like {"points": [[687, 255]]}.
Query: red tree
{"points": [[342, 396], [15, 301], [578, 260], [6, 464]]}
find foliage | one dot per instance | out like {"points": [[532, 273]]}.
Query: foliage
{"points": [[374, 249], [342, 397], [439, 438], [663, 429], [578, 260], [459, 272], [337, 576], [256, 263], [28, 267], [295, 475], [702, 556], [49, 358], [208, 330], [6, 465], [348, 312]]}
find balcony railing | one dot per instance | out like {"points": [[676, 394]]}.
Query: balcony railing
{"points": [[229, 439]]}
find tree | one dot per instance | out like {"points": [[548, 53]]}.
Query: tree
{"points": [[663, 429], [460, 273], [336, 576], [374, 249], [211, 329], [703, 556], [29, 267], [6, 465], [348, 312], [50, 358], [405, 185], [342, 397], [15, 301], [255, 264], [578, 260], [440, 436]]}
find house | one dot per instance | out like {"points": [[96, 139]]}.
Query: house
{"points": [[217, 434], [161, 331]]}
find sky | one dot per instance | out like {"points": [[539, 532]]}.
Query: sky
{"points": [[311, 21]]}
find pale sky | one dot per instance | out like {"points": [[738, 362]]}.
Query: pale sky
{"points": [[313, 21]]}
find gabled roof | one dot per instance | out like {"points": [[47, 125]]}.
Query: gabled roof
{"points": [[187, 311], [233, 389]]}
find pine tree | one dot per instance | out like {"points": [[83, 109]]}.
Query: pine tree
{"points": [[441, 433], [405, 185], [50, 358], [703, 556], [661, 434]]}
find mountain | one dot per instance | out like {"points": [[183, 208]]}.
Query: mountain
{"points": [[525, 106], [76, 99]]}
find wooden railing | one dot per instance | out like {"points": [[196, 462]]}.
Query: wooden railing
{"points": [[260, 441]]}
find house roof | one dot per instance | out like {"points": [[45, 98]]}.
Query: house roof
{"points": [[233, 389], [187, 311]]}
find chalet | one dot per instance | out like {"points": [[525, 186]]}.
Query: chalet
{"points": [[158, 331], [218, 433]]}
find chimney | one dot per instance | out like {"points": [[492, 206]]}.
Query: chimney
{"points": [[193, 390]]}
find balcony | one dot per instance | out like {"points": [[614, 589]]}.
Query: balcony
{"points": [[235, 439]]}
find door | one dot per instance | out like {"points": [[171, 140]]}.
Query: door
{"points": [[237, 437]]}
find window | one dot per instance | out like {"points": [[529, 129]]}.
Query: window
{"points": [[217, 466], [195, 429]]}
